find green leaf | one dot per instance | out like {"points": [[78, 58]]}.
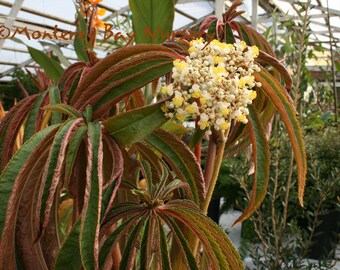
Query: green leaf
{"points": [[131, 245], [69, 254], [52, 171], [10, 172], [113, 238], [56, 49], [73, 147], [196, 137], [52, 68], [120, 61], [80, 44], [152, 20], [74, 85], [252, 37], [276, 92], [229, 35], [65, 109], [164, 247], [54, 100], [147, 175], [107, 197], [144, 256], [135, 125], [262, 163], [132, 78], [206, 229], [33, 117], [10, 126], [89, 233], [175, 128], [182, 242], [181, 159]]}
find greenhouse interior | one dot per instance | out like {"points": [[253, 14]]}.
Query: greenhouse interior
{"points": [[169, 134]]}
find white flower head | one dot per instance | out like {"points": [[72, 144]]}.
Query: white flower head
{"points": [[214, 84]]}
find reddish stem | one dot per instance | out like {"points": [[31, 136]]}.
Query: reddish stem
{"points": [[198, 152]]}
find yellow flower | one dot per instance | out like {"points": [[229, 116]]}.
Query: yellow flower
{"points": [[203, 124], [225, 111], [177, 101], [196, 94], [255, 51], [164, 90], [217, 70], [218, 59], [180, 65], [190, 109], [241, 118], [203, 100], [164, 108], [224, 125], [242, 82], [196, 41], [219, 44], [230, 46], [192, 49], [250, 80], [252, 94], [243, 44], [218, 77], [180, 117]]}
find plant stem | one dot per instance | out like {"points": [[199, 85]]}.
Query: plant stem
{"points": [[210, 160], [217, 165]]}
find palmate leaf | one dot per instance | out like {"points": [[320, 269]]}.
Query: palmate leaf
{"points": [[275, 91], [181, 159], [182, 243], [218, 243], [152, 213], [114, 237]]}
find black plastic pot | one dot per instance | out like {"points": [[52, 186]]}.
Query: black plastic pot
{"points": [[214, 209], [326, 236]]}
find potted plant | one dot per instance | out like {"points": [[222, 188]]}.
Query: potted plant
{"points": [[102, 180]]}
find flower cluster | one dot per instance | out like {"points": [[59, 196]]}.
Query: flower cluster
{"points": [[213, 85]]}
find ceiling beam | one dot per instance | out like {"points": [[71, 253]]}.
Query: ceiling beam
{"points": [[185, 14], [11, 17], [38, 13]]}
